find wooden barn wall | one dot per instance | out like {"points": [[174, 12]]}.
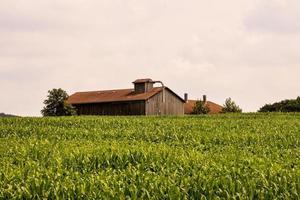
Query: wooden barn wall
{"points": [[142, 87], [172, 106], [112, 108]]}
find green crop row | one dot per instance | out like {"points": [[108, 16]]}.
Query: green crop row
{"points": [[238, 156]]}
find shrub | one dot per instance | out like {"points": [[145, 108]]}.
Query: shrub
{"points": [[230, 106], [200, 108]]}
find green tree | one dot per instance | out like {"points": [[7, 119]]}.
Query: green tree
{"points": [[288, 105], [55, 104], [230, 106], [200, 108]]}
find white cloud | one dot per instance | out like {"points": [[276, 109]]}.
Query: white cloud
{"points": [[218, 48], [275, 17]]}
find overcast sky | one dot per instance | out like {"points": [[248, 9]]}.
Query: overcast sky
{"points": [[248, 50]]}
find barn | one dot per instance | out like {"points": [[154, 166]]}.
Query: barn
{"points": [[143, 99]]}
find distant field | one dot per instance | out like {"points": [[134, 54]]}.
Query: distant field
{"points": [[241, 156]]}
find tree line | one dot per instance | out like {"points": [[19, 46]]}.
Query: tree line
{"points": [[288, 105]]}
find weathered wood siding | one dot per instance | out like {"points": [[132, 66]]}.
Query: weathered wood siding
{"points": [[112, 108], [142, 87], [172, 105]]}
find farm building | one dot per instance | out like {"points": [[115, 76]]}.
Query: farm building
{"points": [[143, 99], [190, 104]]}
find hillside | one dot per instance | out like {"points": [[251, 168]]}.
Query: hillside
{"points": [[6, 115], [227, 156]]}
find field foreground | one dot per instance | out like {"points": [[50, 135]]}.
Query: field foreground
{"points": [[243, 156]]}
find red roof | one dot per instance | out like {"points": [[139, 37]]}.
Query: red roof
{"points": [[213, 107], [111, 96]]}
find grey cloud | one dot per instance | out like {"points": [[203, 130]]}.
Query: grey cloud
{"points": [[199, 47], [273, 17], [24, 75], [15, 22]]}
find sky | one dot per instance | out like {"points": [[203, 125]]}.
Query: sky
{"points": [[248, 50]]}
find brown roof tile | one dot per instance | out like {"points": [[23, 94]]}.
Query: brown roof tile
{"points": [[213, 107], [110, 96]]}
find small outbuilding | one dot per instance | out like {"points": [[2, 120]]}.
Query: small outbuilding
{"points": [[143, 99]]}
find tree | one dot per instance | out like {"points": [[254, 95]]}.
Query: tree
{"points": [[55, 104], [289, 105], [230, 106], [200, 108]]}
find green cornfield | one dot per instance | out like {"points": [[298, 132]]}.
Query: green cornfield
{"points": [[230, 156]]}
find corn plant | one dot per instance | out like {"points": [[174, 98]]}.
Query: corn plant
{"points": [[229, 156]]}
